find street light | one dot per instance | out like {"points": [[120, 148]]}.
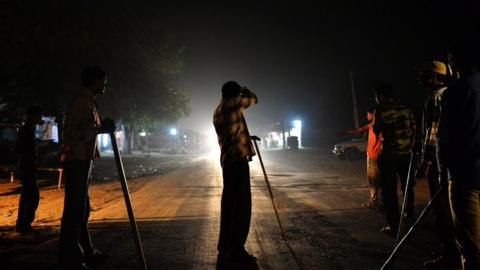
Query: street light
{"points": [[173, 131]]}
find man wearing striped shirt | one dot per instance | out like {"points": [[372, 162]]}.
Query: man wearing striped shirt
{"points": [[432, 78]]}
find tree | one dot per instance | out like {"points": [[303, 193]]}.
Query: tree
{"points": [[47, 44]]}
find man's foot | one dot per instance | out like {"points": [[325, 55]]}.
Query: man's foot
{"points": [[243, 257], [442, 262], [96, 258], [388, 231], [28, 231], [223, 258]]}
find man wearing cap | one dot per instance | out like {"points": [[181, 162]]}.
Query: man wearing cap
{"points": [[236, 151], [396, 123], [432, 78]]}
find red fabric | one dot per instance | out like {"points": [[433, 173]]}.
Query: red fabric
{"points": [[374, 142]]}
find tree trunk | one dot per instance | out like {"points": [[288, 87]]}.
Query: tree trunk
{"points": [[128, 138], [131, 137], [135, 141]]}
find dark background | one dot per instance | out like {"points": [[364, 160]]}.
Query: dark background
{"points": [[295, 55]]}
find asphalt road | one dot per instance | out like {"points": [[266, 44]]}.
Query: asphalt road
{"points": [[319, 199]]}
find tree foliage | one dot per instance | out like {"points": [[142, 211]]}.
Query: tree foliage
{"points": [[46, 44]]}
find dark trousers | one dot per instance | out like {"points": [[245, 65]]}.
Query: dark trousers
{"points": [[75, 242], [236, 207], [29, 197], [391, 166], [442, 214], [465, 207]]}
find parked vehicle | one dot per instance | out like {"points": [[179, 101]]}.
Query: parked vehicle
{"points": [[353, 149]]}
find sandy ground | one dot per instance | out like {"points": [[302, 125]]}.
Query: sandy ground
{"points": [[319, 198], [104, 188]]}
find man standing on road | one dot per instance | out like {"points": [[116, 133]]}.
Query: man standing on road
{"points": [[459, 150], [79, 149], [26, 153], [396, 123], [373, 149], [432, 78], [236, 151]]}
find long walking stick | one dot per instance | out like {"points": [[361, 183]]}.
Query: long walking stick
{"points": [[417, 222], [126, 194], [405, 196], [407, 187], [282, 232]]}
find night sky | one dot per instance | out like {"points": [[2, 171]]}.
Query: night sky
{"points": [[297, 56]]}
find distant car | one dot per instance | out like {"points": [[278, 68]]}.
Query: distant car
{"points": [[351, 150]]}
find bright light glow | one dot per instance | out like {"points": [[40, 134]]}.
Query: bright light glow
{"points": [[297, 131], [212, 144], [142, 134], [274, 140], [297, 123], [55, 134], [173, 131]]}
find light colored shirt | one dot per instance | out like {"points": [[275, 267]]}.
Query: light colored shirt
{"points": [[431, 115], [79, 137]]}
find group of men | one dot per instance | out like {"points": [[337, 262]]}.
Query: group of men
{"points": [[79, 149], [446, 147], [449, 150]]}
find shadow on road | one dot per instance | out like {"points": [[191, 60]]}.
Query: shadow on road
{"points": [[168, 244], [252, 266]]}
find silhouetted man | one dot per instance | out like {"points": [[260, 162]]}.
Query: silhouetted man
{"points": [[396, 123], [25, 150], [236, 151], [433, 76], [79, 149], [459, 150]]}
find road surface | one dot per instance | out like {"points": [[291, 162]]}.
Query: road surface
{"points": [[319, 199]]}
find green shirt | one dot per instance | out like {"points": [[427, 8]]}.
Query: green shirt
{"points": [[396, 123]]}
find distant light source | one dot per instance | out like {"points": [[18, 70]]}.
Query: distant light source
{"points": [[142, 134], [297, 123], [173, 131], [297, 131]]}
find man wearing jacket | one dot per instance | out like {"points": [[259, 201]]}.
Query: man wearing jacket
{"points": [[396, 123], [79, 150], [459, 150], [236, 151]]}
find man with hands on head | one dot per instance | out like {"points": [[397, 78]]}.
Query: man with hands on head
{"points": [[236, 151]]}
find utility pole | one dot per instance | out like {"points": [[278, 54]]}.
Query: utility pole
{"points": [[354, 99]]}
